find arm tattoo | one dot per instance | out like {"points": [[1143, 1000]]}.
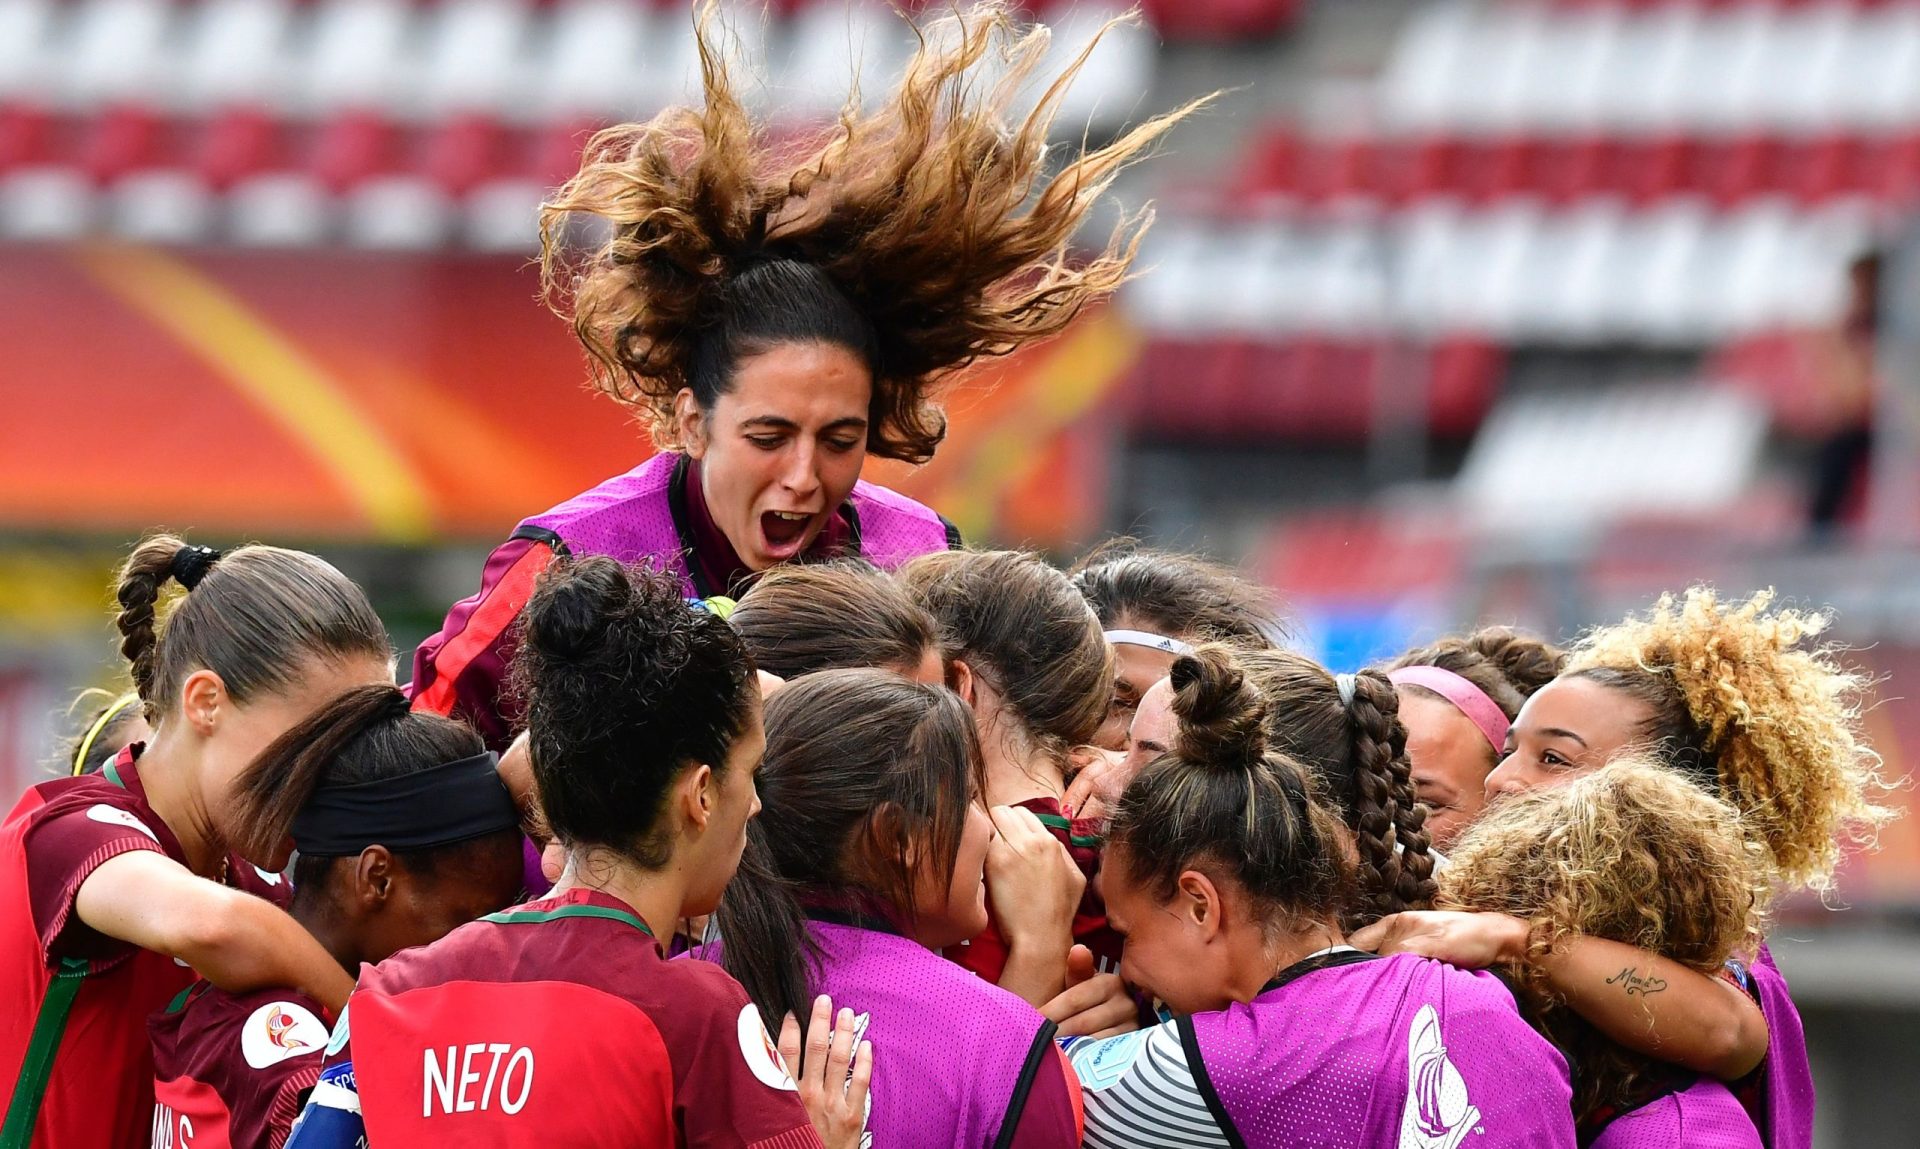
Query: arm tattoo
{"points": [[1630, 980]]}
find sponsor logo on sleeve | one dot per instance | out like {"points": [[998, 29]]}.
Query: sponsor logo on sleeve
{"points": [[279, 1030], [761, 1054], [1099, 1064], [115, 816], [1437, 1114]]}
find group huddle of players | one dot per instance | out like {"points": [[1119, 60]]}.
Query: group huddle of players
{"points": [[743, 805]]}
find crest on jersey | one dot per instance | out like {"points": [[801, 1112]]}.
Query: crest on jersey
{"points": [[1437, 1114], [761, 1054], [115, 816], [279, 1030]]}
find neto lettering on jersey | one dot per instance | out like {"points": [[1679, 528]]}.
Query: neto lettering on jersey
{"points": [[451, 1085]]}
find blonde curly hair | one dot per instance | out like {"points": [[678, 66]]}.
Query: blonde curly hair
{"points": [[1633, 853], [1737, 695], [937, 218]]}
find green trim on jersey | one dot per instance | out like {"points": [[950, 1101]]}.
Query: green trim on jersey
{"points": [[1056, 822], [112, 772], [49, 1027], [534, 917]]}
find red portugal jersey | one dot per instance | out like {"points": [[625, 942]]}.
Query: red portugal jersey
{"points": [[232, 1071], [560, 1023], [986, 954], [75, 1003]]}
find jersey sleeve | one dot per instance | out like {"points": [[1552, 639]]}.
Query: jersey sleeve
{"points": [[62, 852], [731, 1088], [459, 671], [1138, 1089]]}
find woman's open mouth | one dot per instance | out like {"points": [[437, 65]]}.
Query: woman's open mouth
{"points": [[784, 532]]}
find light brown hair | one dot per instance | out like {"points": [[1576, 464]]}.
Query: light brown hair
{"points": [[1740, 698], [803, 617], [1633, 853]]}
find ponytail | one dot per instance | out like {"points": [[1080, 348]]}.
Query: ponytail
{"points": [[765, 943], [257, 617], [1389, 823], [272, 790]]}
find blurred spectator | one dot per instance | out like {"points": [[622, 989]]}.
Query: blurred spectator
{"points": [[1846, 371]]}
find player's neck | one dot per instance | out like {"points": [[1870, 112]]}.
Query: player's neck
{"points": [[169, 777], [658, 897], [1016, 769]]}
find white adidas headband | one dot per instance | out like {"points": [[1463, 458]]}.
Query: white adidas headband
{"points": [[1148, 639]]}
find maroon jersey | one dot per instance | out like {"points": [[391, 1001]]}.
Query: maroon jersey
{"points": [[232, 1071], [71, 1019], [561, 1023], [986, 955]]}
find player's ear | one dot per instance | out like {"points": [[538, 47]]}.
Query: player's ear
{"points": [[373, 873], [698, 794]]}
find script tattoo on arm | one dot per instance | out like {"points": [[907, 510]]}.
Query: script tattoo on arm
{"points": [[1630, 980]]}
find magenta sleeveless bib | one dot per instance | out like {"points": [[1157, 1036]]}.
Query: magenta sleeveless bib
{"points": [[953, 1056], [1702, 1116], [1381, 1053], [632, 517]]}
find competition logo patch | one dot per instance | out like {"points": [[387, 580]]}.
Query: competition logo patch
{"points": [[1099, 1064], [114, 816], [279, 1030], [1438, 1114], [761, 1054]]}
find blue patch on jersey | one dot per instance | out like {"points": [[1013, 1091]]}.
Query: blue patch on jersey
{"points": [[1099, 1064]]}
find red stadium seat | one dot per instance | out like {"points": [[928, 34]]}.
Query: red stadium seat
{"points": [[354, 147], [238, 143]]}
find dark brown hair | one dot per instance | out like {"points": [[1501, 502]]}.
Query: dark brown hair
{"points": [[368, 734], [867, 777], [1357, 753], [921, 235], [802, 617], [1507, 665], [1020, 623], [258, 616], [626, 686], [1177, 595], [1222, 801]]}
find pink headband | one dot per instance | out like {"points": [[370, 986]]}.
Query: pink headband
{"points": [[1467, 698]]}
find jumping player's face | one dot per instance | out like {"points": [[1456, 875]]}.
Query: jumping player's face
{"points": [[1135, 668], [1451, 760], [1569, 728], [780, 451], [947, 917], [736, 800], [234, 735]]}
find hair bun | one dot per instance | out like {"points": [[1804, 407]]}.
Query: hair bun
{"points": [[570, 620], [1222, 716]]}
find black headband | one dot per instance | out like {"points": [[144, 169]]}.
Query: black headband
{"points": [[191, 564], [418, 811]]}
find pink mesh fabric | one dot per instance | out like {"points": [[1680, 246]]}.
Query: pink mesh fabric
{"points": [[1705, 1116], [1398, 1053]]}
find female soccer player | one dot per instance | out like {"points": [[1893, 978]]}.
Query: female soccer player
{"points": [[561, 1022], [872, 848], [117, 882], [800, 619], [404, 831], [1158, 605], [1345, 729], [1230, 882], [1636, 855], [1734, 698], [1027, 654], [778, 314], [1458, 696]]}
